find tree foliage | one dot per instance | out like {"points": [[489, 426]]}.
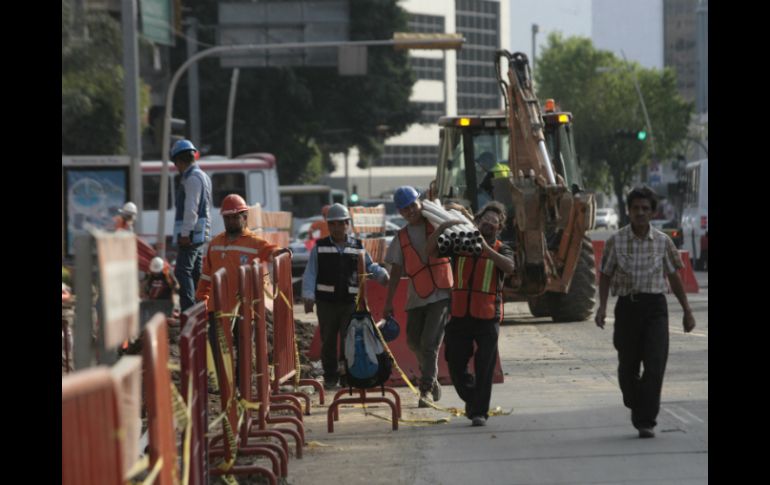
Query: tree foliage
{"points": [[598, 88], [302, 114], [92, 86]]}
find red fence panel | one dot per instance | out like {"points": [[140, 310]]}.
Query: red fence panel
{"points": [[157, 390], [91, 449], [192, 350]]}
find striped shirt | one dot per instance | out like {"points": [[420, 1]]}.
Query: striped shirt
{"points": [[639, 265]]}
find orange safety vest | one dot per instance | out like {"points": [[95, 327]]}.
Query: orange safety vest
{"points": [[475, 293], [425, 277], [222, 253]]}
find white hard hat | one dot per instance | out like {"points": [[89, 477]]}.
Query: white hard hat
{"points": [[337, 212], [129, 209], [156, 264]]}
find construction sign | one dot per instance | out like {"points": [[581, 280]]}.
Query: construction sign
{"points": [[119, 286]]}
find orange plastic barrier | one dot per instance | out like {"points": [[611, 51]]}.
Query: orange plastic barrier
{"points": [[192, 356], [91, 447], [598, 250], [157, 391], [687, 275], [376, 248], [285, 353], [224, 358], [376, 295], [255, 422]]}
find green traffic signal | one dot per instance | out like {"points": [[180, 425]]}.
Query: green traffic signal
{"points": [[641, 136], [353, 198]]}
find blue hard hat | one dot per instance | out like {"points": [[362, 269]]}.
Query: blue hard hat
{"points": [[403, 196], [182, 146], [390, 329]]}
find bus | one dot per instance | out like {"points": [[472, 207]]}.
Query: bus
{"points": [[695, 213], [253, 176], [306, 201]]}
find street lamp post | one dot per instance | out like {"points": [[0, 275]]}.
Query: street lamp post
{"points": [[400, 40]]}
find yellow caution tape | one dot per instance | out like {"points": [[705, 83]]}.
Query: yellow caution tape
{"points": [[140, 466], [316, 444], [154, 473], [174, 366]]}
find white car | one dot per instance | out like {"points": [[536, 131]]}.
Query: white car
{"points": [[606, 218]]}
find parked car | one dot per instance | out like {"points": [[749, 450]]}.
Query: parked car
{"points": [[672, 230], [606, 218]]}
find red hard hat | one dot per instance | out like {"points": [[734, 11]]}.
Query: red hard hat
{"points": [[233, 204]]}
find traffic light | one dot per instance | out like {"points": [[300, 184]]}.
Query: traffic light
{"points": [[640, 135], [354, 195]]}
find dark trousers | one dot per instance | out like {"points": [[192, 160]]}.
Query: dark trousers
{"points": [[641, 338], [460, 335], [189, 263], [333, 320]]}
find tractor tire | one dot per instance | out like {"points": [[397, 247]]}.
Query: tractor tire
{"points": [[578, 304], [538, 306]]}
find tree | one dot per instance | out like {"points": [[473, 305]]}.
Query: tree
{"points": [[304, 114], [598, 88], [92, 86]]}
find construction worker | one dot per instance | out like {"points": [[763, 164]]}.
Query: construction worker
{"points": [[636, 262], [493, 170], [234, 247], [477, 302], [192, 222], [159, 284], [430, 285], [331, 281], [126, 217]]}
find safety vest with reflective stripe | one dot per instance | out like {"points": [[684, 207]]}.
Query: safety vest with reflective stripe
{"points": [[475, 293], [425, 277], [222, 253], [337, 277]]}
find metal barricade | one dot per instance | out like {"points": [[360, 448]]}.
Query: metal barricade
{"points": [[91, 447], [157, 390], [192, 355]]}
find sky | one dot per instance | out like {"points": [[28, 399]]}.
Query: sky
{"points": [[571, 17]]}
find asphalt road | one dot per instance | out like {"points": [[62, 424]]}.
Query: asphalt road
{"points": [[568, 424]]}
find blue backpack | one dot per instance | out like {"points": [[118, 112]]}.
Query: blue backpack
{"points": [[366, 361]]}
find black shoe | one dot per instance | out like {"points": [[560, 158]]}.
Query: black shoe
{"points": [[425, 400], [330, 386], [646, 433], [478, 421]]}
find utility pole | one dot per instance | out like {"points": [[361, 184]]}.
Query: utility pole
{"points": [[535, 30], [230, 110], [193, 93], [644, 106], [131, 102]]}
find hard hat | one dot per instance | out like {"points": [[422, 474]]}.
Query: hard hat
{"points": [[403, 196], [129, 209], [337, 212], [390, 329], [233, 204], [156, 264], [182, 146]]}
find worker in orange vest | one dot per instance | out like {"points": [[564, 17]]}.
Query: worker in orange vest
{"points": [[430, 285], [477, 303], [160, 283], [234, 247]]}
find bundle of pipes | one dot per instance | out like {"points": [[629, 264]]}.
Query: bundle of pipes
{"points": [[461, 238]]}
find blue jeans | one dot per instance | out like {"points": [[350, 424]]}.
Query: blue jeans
{"points": [[189, 263]]}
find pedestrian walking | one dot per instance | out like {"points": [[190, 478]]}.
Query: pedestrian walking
{"points": [[636, 263]]}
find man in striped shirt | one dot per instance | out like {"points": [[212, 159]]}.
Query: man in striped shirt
{"points": [[636, 263]]}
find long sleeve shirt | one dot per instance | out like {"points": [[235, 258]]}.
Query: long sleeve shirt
{"points": [[311, 270], [222, 253], [194, 189]]}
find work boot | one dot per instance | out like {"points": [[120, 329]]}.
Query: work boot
{"points": [[425, 400], [435, 391], [478, 421], [646, 433]]}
